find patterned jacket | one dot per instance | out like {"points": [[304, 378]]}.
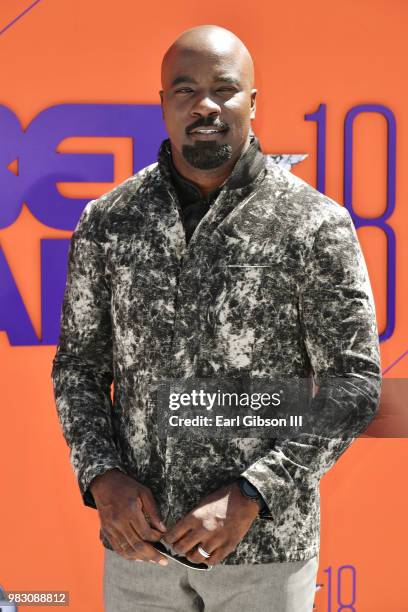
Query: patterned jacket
{"points": [[272, 283]]}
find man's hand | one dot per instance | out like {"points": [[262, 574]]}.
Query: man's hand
{"points": [[218, 524], [128, 516]]}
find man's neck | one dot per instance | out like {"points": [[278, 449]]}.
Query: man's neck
{"points": [[206, 180]]}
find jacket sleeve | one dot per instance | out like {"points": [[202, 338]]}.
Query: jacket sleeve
{"points": [[339, 328], [82, 367]]}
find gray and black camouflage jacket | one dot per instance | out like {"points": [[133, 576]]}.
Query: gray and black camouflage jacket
{"points": [[272, 283]]}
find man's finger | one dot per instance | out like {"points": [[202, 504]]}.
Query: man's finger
{"points": [[189, 541], [210, 547], [150, 510], [127, 542], [117, 544], [138, 551], [130, 538], [152, 554], [142, 527], [179, 529], [218, 554]]}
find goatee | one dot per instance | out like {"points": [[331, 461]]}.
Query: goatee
{"points": [[207, 154]]}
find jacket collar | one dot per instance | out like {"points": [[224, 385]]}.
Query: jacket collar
{"points": [[247, 168]]}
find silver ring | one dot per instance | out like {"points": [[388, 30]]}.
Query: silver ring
{"points": [[203, 552]]}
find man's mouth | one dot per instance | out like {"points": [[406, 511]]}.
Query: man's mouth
{"points": [[207, 132]]}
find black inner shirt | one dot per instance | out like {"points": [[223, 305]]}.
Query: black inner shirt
{"points": [[194, 205]]}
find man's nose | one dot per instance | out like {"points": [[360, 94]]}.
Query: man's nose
{"points": [[205, 106]]}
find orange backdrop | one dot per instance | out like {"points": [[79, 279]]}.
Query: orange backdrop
{"points": [[340, 54]]}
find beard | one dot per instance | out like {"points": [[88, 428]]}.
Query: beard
{"points": [[206, 154]]}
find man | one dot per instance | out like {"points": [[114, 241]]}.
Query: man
{"points": [[212, 262]]}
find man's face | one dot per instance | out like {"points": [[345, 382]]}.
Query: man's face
{"points": [[207, 105]]}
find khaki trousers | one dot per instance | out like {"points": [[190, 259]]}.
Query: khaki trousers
{"points": [[131, 586]]}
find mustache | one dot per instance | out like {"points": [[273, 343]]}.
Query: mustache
{"points": [[219, 125]]}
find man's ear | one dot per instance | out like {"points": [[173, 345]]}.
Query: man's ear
{"points": [[253, 103], [161, 102]]}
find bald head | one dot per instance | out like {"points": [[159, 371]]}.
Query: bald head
{"points": [[209, 43]]}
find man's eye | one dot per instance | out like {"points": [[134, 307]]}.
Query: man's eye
{"points": [[184, 90], [230, 89]]}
